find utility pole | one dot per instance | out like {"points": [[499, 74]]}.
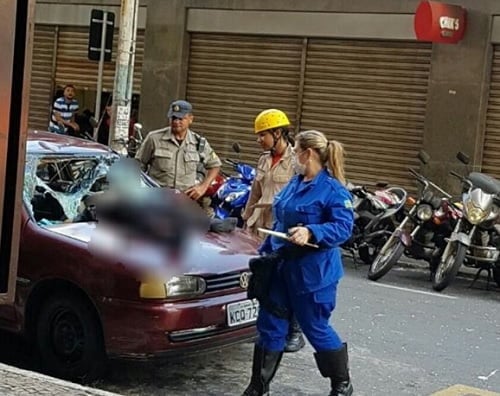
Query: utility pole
{"points": [[124, 74]]}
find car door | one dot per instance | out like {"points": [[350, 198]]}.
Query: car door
{"points": [[16, 40]]}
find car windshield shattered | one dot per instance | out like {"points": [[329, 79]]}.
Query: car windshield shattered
{"points": [[56, 187]]}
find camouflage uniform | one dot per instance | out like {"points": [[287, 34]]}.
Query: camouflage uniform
{"points": [[173, 164]]}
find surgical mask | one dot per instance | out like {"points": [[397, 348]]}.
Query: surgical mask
{"points": [[298, 168]]}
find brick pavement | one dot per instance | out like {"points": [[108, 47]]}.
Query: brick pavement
{"points": [[17, 382]]}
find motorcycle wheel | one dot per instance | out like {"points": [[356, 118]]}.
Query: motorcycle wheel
{"points": [[383, 263], [496, 275], [368, 253], [448, 267]]}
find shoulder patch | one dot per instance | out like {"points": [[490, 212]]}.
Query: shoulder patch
{"points": [[348, 204]]}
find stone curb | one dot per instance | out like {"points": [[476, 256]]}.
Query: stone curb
{"points": [[42, 382]]}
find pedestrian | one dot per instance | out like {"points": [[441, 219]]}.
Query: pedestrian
{"points": [[64, 109], [171, 155], [313, 208], [274, 170]]}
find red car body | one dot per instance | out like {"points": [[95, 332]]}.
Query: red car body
{"points": [[57, 261]]}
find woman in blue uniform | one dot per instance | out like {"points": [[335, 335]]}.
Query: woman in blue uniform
{"points": [[313, 208]]}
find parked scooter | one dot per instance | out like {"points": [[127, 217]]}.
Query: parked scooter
{"points": [[421, 234], [375, 217], [232, 196], [475, 241]]}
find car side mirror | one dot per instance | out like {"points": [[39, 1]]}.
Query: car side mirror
{"points": [[424, 157], [463, 158]]}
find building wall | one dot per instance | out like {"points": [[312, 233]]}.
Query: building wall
{"points": [[458, 83]]}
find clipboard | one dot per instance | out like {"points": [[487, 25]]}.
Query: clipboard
{"points": [[283, 235]]}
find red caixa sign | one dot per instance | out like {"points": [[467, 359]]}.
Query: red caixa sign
{"points": [[439, 22]]}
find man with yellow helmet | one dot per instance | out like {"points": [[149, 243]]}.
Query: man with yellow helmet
{"points": [[274, 171]]}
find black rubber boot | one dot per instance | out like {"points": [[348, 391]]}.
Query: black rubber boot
{"points": [[294, 340], [265, 365], [334, 364]]}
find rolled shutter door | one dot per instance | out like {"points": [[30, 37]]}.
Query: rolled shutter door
{"points": [[231, 78], [491, 153], [74, 67], [41, 77], [371, 96]]}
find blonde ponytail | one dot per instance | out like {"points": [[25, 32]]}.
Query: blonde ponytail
{"points": [[336, 160], [331, 153]]}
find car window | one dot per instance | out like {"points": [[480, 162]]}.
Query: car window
{"points": [[56, 188]]}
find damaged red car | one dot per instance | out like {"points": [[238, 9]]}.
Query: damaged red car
{"points": [[80, 308]]}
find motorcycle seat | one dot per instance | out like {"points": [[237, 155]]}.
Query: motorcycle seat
{"points": [[485, 182]]}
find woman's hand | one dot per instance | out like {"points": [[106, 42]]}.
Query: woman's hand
{"points": [[299, 235]]}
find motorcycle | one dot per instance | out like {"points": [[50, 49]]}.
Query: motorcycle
{"points": [[421, 234], [232, 196], [475, 240], [375, 216], [135, 141]]}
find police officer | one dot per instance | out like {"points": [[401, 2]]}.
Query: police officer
{"points": [[313, 208], [274, 170], [171, 155]]}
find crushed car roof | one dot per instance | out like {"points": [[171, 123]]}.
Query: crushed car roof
{"points": [[48, 143]]}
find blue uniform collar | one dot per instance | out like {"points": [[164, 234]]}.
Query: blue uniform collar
{"points": [[320, 178]]}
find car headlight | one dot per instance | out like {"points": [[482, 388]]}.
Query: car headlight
{"points": [[234, 195], [424, 212], [177, 286], [474, 214]]}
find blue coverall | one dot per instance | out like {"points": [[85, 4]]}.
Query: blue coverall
{"points": [[306, 281]]}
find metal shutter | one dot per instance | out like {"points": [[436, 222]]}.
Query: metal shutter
{"points": [[41, 76], [231, 78], [74, 67], [371, 96], [491, 153]]}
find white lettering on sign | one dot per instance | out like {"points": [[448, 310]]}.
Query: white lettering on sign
{"points": [[122, 121], [449, 23]]}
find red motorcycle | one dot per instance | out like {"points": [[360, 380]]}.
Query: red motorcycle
{"points": [[215, 185], [423, 232]]}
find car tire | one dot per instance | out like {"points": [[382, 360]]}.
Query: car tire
{"points": [[69, 338]]}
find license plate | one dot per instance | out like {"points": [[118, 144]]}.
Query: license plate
{"points": [[242, 312]]}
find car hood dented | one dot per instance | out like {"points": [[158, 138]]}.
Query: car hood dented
{"points": [[225, 252]]}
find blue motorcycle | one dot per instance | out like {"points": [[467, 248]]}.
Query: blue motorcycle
{"points": [[232, 196]]}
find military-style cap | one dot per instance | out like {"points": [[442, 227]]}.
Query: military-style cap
{"points": [[179, 109]]}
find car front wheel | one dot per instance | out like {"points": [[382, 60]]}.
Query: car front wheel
{"points": [[69, 338]]}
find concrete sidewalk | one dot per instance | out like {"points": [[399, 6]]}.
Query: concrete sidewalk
{"points": [[18, 382]]}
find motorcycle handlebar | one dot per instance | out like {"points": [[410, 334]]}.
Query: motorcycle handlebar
{"points": [[425, 182], [462, 178], [418, 176]]}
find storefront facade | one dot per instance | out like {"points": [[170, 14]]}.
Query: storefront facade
{"points": [[60, 55], [353, 70]]}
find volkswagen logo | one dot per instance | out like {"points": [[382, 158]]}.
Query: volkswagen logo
{"points": [[245, 279]]}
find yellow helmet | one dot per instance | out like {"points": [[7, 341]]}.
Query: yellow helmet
{"points": [[270, 119]]}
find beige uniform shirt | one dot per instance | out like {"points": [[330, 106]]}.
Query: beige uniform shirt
{"points": [[172, 164], [268, 182]]}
